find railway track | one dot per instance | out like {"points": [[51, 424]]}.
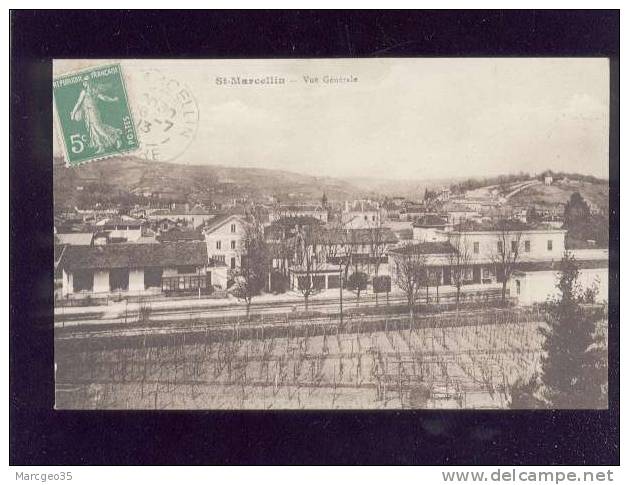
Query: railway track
{"points": [[258, 329]]}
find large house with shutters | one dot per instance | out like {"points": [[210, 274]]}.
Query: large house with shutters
{"points": [[223, 237], [532, 252]]}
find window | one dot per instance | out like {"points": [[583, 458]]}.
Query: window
{"points": [[219, 258], [318, 282], [500, 247], [233, 228], [517, 286], [233, 263], [373, 218], [365, 217], [476, 247], [233, 244], [218, 244], [152, 277], [119, 279], [527, 246], [476, 275], [486, 275], [334, 281], [83, 280], [549, 245], [514, 246]]}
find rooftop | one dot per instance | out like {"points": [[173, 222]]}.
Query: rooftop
{"points": [[219, 220], [501, 225], [429, 220], [129, 255], [300, 208], [359, 236], [437, 247], [176, 234]]}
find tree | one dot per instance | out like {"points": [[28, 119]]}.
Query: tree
{"points": [[340, 250], [576, 211], [377, 248], [409, 273], [506, 253], [532, 215], [523, 393], [250, 277], [574, 367], [459, 262], [357, 282], [310, 258], [382, 284]]}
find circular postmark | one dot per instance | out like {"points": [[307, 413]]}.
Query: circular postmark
{"points": [[166, 116]]}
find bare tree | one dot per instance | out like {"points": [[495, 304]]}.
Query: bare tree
{"points": [[250, 277], [377, 247], [410, 273], [310, 259], [506, 254], [459, 262], [339, 250]]}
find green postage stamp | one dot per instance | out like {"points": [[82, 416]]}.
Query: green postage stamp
{"points": [[93, 114]]}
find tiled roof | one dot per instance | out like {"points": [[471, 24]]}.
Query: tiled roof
{"points": [[129, 255], [555, 265], [425, 248], [358, 236], [429, 221], [500, 225], [219, 221], [177, 234], [300, 208]]}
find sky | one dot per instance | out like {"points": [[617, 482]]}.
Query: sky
{"points": [[401, 119]]}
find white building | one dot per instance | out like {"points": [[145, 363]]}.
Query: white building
{"points": [[195, 217], [138, 269], [361, 214], [430, 228], [121, 228], [224, 236], [284, 211], [484, 245], [536, 283]]}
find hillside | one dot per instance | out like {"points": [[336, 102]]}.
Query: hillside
{"points": [[559, 193], [121, 175]]}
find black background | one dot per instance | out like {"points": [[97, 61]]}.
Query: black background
{"points": [[40, 435]]}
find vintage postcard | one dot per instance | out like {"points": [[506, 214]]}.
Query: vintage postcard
{"points": [[331, 233]]}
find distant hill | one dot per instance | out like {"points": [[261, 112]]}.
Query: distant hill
{"points": [[122, 175], [559, 193], [113, 179], [411, 189]]}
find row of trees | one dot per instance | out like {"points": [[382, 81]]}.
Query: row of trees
{"points": [[307, 247]]}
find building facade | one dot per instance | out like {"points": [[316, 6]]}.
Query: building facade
{"points": [[138, 269], [223, 238]]}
